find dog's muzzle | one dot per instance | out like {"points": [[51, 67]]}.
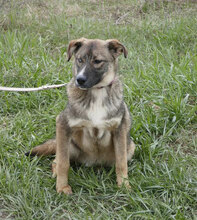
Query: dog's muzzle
{"points": [[80, 80]]}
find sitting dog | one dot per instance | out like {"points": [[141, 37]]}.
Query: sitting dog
{"points": [[95, 126]]}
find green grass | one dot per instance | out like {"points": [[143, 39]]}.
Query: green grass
{"points": [[160, 77]]}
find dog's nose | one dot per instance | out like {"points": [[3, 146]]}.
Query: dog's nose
{"points": [[81, 80]]}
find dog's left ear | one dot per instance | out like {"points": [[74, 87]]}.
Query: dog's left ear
{"points": [[74, 46], [116, 48]]}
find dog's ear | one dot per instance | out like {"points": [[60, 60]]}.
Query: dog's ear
{"points": [[116, 48], [74, 46]]}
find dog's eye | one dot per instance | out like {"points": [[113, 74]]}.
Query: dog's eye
{"points": [[80, 60], [97, 61]]}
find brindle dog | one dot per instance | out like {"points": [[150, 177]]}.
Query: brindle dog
{"points": [[95, 126]]}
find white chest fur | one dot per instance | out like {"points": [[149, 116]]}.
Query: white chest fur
{"points": [[98, 110], [96, 115]]}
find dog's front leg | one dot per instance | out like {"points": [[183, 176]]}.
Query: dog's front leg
{"points": [[62, 155], [120, 147]]}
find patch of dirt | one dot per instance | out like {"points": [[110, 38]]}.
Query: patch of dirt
{"points": [[4, 214], [187, 140], [125, 12], [131, 13], [39, 10]]}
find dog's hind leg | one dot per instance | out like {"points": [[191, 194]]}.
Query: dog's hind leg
{"points": [[130, 149]]}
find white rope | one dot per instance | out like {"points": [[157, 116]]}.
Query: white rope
{"points": [[13, 89]]}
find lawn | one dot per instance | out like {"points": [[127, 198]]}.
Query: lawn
{"points": [[160, 88]]}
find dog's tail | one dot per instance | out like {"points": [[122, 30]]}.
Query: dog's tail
{"points": [[48, 148]]}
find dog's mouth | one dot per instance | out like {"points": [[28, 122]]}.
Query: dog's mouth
{"points": [[82, 87], [87, 85]]}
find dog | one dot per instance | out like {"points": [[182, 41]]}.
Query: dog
{"points": [[95, 126]]}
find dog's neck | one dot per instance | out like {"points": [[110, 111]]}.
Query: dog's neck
{"points": [[110, 84], [84, 97]]}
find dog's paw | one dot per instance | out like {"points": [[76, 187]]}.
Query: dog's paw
{"points": [[54, 172], [127, 185], [124, 183], [66, 190]]}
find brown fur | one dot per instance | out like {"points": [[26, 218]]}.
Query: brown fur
{"points": [[95, 126]]}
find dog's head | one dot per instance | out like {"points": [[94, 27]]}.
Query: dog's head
{"points": [[95, 61]]}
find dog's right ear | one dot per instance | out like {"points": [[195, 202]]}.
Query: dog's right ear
{"points": [[116, 48], [74, 46]]}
